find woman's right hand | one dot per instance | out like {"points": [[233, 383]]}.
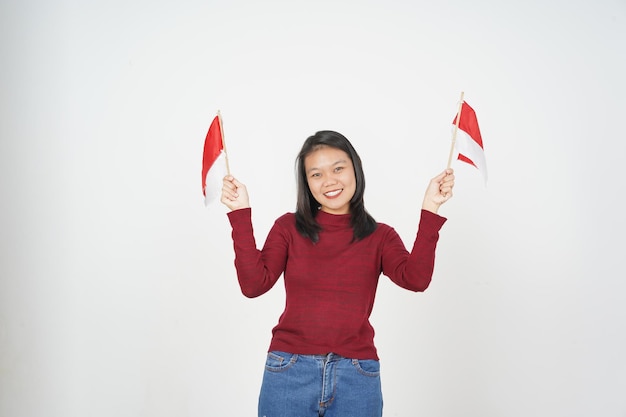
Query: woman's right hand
{"points": [[234, 194]]}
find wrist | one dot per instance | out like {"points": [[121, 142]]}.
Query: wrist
{"points": [[430, 206]]}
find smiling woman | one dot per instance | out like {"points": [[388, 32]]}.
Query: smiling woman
{"points": [[343, 181], [332, 253]]}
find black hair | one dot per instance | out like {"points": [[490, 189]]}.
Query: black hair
{"points": [[363, 224]]}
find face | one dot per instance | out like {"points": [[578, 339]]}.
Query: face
{"points": [[331, 179]]}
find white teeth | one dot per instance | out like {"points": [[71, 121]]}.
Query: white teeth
{"points": [[332, 193]]}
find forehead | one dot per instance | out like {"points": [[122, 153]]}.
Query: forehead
{"points": [[324, 156]]}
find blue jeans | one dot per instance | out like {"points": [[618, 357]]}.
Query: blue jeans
{"points": [[320, 385]]}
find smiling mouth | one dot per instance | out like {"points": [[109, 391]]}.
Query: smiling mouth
{"points": [[334, 193]]}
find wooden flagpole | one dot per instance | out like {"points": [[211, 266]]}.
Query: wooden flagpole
{"points": [[219, 118], [456, 128]]}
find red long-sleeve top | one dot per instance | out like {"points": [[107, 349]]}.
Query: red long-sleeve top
{"points": [[330, 285]]}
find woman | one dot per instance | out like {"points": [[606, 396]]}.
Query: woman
{"points": [[322, 360]]}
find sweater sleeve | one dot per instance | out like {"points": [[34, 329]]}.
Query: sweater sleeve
{"points": [[257, 270], [413, 270]]}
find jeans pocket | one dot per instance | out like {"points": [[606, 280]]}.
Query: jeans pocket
{"points": [[279, 361], [367, 367]]}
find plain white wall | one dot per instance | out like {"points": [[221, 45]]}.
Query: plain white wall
{"points": [[118, 295]]}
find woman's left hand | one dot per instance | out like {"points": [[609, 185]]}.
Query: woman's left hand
{"points": [[439, 190]]}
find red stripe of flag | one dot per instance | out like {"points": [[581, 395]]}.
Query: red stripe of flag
{"points": [[213, 147]]}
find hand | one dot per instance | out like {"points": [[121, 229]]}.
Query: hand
{"points": [[234, 194], [439, 190]]}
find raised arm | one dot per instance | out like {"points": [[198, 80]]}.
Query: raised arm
{"points": [[413, 270], [257, 270]]}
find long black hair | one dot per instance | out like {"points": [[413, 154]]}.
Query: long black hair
{"points": [[363, 224]]}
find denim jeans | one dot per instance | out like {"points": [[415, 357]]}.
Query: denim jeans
{"points": [[320, 385]]}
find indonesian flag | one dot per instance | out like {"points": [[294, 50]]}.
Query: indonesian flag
{"points": [[214, 164], [469, 143]]}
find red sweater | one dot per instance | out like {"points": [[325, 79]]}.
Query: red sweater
{"points": [[330, 285]]}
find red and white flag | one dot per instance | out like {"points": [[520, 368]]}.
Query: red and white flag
{"points": [[469, 143], [214, 162]]}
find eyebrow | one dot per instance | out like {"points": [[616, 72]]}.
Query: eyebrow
{"points": [[341, 161]]}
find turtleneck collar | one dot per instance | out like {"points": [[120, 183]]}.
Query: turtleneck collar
{"points": [[333, 220]]}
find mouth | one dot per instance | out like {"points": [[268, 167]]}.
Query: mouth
{"points": [[333, 193]]}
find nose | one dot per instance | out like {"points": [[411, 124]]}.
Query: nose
{"points": [[330, 180]]}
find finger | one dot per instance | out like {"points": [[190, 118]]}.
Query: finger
{"points": [[446, 192], [231, 183], [228, 182], [447, 184], [448, 177], [227, 185], [237, 183], [230, 194], [230, 191]]}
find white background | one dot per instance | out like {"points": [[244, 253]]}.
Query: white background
{"points": [[118, 295]]}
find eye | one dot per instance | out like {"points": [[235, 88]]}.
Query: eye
{"points": [[315, 175], [338, 169]]}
